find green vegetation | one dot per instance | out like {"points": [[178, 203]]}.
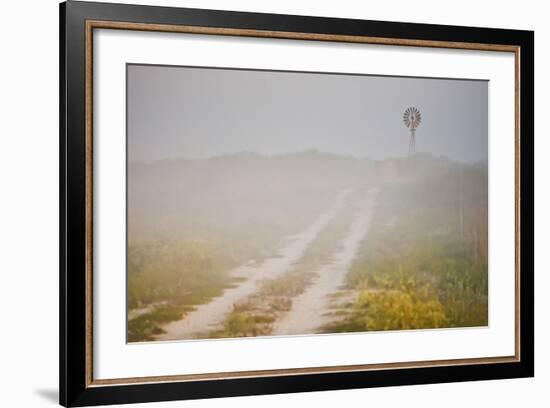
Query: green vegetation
{"points": [[145, 326], [162, 270], [169, 273], [424, 263], [167, 278]]}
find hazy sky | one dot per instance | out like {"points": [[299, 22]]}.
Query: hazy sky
{"points": [[180, 112]]}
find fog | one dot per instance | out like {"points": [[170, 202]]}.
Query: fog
{"points": [[179, 112], [269, 203]]}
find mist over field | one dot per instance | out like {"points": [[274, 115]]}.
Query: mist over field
{"points": [[241, 190], [239, 239], [258, 207]]}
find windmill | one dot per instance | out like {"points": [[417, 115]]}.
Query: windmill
{"points": [[412, 119]]}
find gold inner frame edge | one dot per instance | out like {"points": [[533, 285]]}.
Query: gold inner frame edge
{"points": [[93, 24]]}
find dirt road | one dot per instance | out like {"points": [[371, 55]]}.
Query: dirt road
{"points": [[208, 316], [311, 310]]}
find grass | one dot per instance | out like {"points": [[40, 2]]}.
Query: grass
{"points": [[148, 325], [424, 263], [172, 274]]}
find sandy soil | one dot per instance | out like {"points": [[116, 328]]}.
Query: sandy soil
{"points": [[209, 316], [311, 310]]}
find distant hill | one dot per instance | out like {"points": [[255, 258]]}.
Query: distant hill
{"points": [[246, 188]]}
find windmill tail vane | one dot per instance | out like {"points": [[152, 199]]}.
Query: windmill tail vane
{"points": [[412, 119]]}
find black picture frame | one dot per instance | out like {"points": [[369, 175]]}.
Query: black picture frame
{"points": [[75, 387]]}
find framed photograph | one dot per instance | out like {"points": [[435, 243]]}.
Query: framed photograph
{"points": [[256, 203]]}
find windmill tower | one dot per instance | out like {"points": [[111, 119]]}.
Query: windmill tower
{"points": [[412, 119]]}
